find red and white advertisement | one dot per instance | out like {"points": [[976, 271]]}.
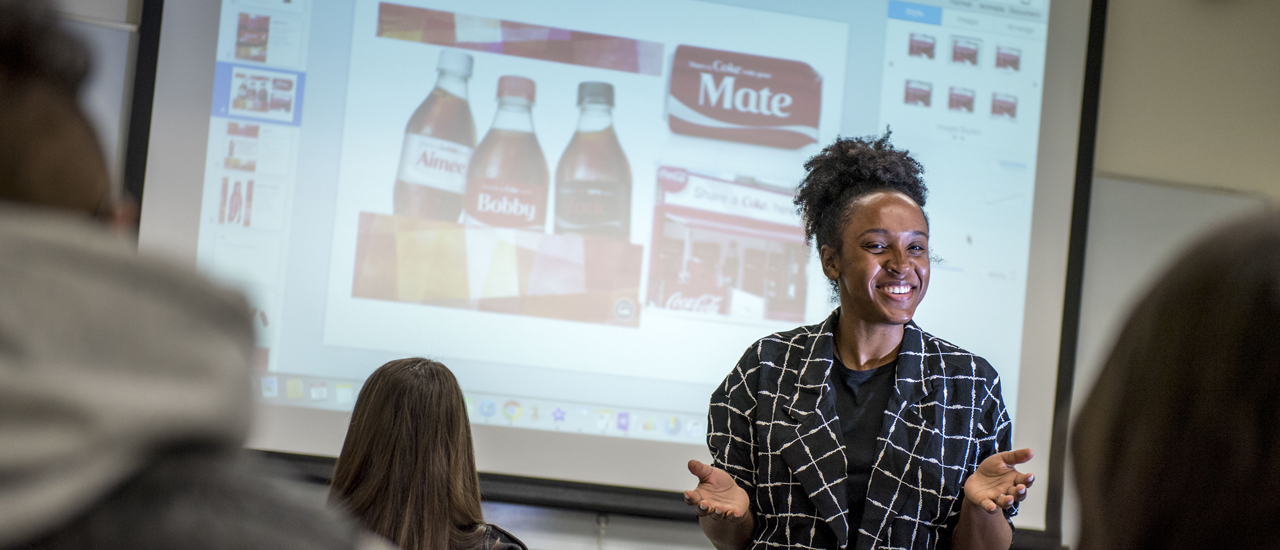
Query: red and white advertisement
{"points": [[265, 32], [265, 150], [727, 248], [557, 126], [246, 203], [747, 98], [262, 94], [242, 147]]}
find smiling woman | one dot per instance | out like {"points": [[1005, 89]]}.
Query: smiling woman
{"points": [[861, 431], [883, 273]]}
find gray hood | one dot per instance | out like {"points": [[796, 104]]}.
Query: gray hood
{"points": [[105, 356]]}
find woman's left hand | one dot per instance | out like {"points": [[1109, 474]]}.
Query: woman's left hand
{"points": [[998, 484]]}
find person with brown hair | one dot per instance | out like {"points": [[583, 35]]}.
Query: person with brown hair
{"points": [[49, 155], [1178, 444], [408, 469]]}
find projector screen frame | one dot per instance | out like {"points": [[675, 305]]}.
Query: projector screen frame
{"points": [[1051, 536], [669, 504], [137, 138], [551, 493]]}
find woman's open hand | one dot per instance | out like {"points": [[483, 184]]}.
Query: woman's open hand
{"points": [[997, 483], [717, 495]]}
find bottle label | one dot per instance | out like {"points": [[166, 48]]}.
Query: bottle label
{"points": [[434, 162], [591, 208], [503, 203]]}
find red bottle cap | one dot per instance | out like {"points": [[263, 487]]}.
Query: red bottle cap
{"points": [[515, 86]]}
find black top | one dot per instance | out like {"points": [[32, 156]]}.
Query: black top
{"points": [[497, 538], [861, 401], [774, 429]]}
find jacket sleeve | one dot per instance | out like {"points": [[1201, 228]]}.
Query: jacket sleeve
{"points": [[731, 421], [992, 433], [995, 428]]}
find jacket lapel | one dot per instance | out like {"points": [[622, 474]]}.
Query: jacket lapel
{"points": [[814, 450], [902, 423]]}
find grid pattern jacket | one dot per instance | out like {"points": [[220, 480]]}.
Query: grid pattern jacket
{"points": [[773, 427]]}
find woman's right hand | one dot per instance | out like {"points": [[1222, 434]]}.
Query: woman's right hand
{"points": [[717, 495]]}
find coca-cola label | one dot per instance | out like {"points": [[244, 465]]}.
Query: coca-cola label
{"points": [[672, 180], [592, 208], [434, 162], [704, 303], [502, 203], [747, 98]]}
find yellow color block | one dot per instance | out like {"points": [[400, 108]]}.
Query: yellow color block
{"points": [[431, 264], [503, 278]]}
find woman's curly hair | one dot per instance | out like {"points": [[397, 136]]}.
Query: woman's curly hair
{"points": [[846, 170]]}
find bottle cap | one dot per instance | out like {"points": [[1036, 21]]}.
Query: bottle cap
{"points": [[595, 92], [515, 86], [455, 62]]}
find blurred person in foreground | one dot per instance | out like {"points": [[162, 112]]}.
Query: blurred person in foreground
{"points": [[1178, 444], [408, 467], [124, 381]]}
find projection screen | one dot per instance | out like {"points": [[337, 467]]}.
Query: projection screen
{"points": [[584, 208]]}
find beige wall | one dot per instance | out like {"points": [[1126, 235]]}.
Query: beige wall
{"points": [[1190, 97], [1191, 93]]}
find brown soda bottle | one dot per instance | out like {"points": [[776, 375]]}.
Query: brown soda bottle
{"points": [[507, 179], [438, 142], [593, 179]]}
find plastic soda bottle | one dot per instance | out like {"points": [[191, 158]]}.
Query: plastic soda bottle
{"points": [[593, 179], [507, 179], [438, 143]]}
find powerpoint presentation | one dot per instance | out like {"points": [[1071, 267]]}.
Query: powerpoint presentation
{"points": [[587, 212]]}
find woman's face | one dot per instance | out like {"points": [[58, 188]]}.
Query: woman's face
{"points": [[883, 264]]}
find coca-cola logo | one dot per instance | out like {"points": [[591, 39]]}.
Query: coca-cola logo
{"points": [[673, 180], [706, 303], [506, 206], [722, 67], [742, 97], [429, 159], [589, 206]]}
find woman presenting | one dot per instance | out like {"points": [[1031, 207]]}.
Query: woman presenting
{"points": [[862, 431]]}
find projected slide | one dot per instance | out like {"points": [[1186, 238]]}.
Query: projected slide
{"points": [[586, 210], [572, 182]]}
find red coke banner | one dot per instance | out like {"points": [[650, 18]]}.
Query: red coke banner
{"points": [[747, 98]]}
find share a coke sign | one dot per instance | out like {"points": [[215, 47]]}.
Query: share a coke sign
{"points": [[747, 98]]}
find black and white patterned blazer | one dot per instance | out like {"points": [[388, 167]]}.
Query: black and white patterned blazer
{"points": [[773, 427]]}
